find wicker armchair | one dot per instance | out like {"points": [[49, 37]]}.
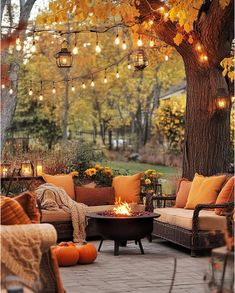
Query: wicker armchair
{"points": [[193, 239]]}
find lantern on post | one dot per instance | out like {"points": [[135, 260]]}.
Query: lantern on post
{"points": [[140, 60], [5, 169], [64, 58], [26, 169], [221, 99]]}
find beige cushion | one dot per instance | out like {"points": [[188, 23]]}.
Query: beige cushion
{"points": [[183, 218], [59, 216]]}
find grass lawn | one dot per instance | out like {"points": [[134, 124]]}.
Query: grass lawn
{"points": [[135, 167]]}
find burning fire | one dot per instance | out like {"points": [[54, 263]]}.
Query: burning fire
{"points": [[122, 208]]}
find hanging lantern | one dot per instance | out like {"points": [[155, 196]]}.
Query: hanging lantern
{"points": [[64, 58], [140, 60], [5, 169], [26, 169], [221, 99]]}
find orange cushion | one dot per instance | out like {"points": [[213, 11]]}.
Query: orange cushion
{"points": [[127, 187], [95, 196], [62, 180], [226, 194], [12, 212], [28, 202], [204, 190], [182, 192]]}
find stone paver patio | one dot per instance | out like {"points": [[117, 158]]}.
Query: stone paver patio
{"points": [[133, 272]]}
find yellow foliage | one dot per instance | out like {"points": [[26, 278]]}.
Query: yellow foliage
{"points": [[228, 65], [178, 39], [224, 3]]}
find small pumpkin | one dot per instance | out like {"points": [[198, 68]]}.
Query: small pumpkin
{"points": [[87, 253], [67, 255]]}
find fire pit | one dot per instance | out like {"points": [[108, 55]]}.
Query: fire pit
{"points": [[122, 224]]}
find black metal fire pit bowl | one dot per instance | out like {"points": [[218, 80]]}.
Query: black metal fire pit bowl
{"points": [[123, 228]]}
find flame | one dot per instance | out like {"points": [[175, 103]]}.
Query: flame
{"points": [[122, 208]]}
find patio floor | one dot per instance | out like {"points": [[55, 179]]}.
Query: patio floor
{"points": [[133, 272]]}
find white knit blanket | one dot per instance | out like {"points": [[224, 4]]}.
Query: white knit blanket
{"points": [[53, 198]]}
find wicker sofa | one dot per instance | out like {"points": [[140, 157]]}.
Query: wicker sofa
{"points": [[197, 229]]}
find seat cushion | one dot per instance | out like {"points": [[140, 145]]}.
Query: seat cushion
{"points": [[127, 188], [182, 192], [183, 218], [226, 195], [204, 190], [64, 181], [61, 216], [94, 196]]}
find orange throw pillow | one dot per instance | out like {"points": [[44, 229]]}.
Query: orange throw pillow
{"points": [[127, 187], [28, 202], [12, 212], [226, 194], [64, 181], [204, 190], [182, 192]]}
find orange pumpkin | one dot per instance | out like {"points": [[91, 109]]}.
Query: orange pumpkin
{"points": [[67, 255], [70, 243], [87, 253]]}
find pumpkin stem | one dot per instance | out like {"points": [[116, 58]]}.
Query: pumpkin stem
{"points": [[81, 242]]}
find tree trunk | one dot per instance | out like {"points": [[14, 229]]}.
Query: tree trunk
{"points": [[207, 146], [110, 134]]}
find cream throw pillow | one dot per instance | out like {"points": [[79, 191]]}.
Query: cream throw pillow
{"points": [[204, 190]]}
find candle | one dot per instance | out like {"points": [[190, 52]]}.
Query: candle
{"points": [[39, 170]]}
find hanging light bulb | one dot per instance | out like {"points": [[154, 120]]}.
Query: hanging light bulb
{"points": [[203, 58], [30, 92], [117, 40], [36, 38], [73, 88], [83, 85], [41, 95], [129, 66], [124, 45], [3, 86], [33, 48], [18, 47], [105, 77], [92, 82], [166, 57], [75, 49], [151, 43], [53, 89], [11, 91], [17, 40], [97, 47], [139, 42], [117, 73]]}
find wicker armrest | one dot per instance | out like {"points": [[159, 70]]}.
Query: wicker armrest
{"points": [[199, 207], [150, 198]]}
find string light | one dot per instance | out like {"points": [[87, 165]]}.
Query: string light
{"points": [[161, 9], [151, 43], [139, 42], [30, 90], [198, 47], [151, 22], [83, 85], [117, 40], [105, 76], [129, 65], [3, 86], [117, 73], [124, 45], [166, 57], [53, 89], [41, 95], [11, 91], [92, 82], [97, 47], [33, 48], [73, 88], [75, 49], [37, 38], [18, 44]]}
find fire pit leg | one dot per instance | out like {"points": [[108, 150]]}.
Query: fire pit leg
{"points": [[101, 242], [141, 247], [116, 248]]}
